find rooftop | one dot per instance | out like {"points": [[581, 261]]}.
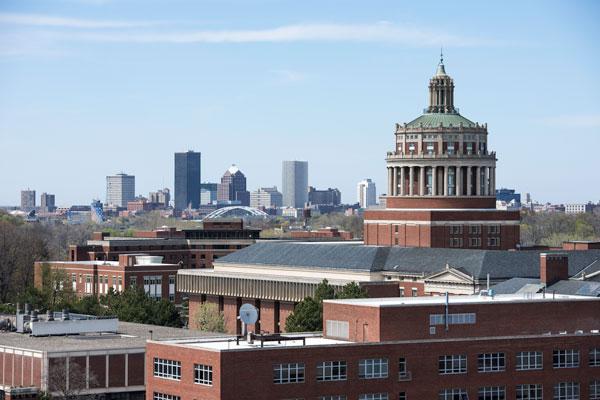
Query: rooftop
{"points": [[433, 120], [231, 344], [499, 264], [130, 335], [455, 300]]}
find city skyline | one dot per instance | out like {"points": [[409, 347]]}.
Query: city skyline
{"points": [[135, 77]]}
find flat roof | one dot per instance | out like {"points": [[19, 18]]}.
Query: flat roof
{"points": [[102, 263], [129, 335], [460, 299], [231, 344]]}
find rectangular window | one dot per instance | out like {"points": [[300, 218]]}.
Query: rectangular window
{"points": [[475, 242], [529, 392], [332, 371], [529, 360], [493, 241], [288, 373], [401, 292], [402, 367], [453, 394], [414, 292], [491, 362], [337, 329], [474, 229], [164, 396], [373, 396], [595, 390], [456, 242], [373, 368], [402, 396], [168, 369], [594, 359], [565, 358], [493, 229], [203, 374], [453, 319], [491, 393], [566, 391], [333, 397], [452, 364], [456, 229], [133, 281]]}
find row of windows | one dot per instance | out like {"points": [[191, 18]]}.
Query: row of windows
{"points": [[171, 369], [561, 391], [526, 360], [453, 319], [473, 242], [372, 368]]}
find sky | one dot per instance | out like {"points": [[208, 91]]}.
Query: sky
{"points": [[90, 88]]}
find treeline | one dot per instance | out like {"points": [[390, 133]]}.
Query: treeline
{"points": [[551, 229]]}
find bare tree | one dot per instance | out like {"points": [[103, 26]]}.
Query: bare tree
{"points": [[68, 380]]}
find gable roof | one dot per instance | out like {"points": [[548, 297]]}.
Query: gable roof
{"points": [[498, 264]]}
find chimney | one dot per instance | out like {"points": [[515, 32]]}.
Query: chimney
{"points": [[554, 267]]}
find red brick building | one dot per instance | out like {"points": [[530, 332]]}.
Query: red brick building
{"points": [[441, 183], [468, 347], [96, 278], [194, 248], [323, 234]]}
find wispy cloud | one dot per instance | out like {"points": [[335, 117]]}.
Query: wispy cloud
{"points": [[59, 30], [573, 121], [66, 22], [377, 32]]}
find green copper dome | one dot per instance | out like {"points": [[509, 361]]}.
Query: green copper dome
{"points": [[433, 120]]}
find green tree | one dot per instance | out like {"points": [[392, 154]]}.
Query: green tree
{"points": [[208, 318], [134, 305], [306, 317], [352, 290], [308, 314]]}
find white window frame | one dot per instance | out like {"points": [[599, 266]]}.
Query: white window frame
{"points": [[453, 319], [288, 373], [453, 394], [167, 369], [529, 360], [337, 329], [332, 371], [530, 391], [373, 368], [203, 374], [164, 396], [565, 358], [595, 390], [452, 364], [492, 393], [374, 396], [491, 362], [334, 397], [566, 391], [594, 357]]}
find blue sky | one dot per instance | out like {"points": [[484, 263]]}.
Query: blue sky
{"points": [[94, 87]]}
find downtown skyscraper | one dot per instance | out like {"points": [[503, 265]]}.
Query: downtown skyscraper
{"points": [[120, 189], [187, 180], [294, 176]]}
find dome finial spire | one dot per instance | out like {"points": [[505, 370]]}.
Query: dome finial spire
{"points": [[441, 55], [440, 69]]}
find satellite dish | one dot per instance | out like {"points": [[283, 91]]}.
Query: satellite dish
{"points": [[248, 314]]}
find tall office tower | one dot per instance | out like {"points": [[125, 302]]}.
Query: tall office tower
{"points": [[366, 193], [120, 189], [27, 200], [294, 176], [233, 187], [47, 202], [267, 197], [442, 182], [208, 192], [187, 180]]}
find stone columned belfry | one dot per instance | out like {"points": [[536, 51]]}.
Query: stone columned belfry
{"points": [[442, 182]]}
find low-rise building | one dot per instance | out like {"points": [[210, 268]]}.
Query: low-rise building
{"points": [[194, 248], [579, 208], [96, 278], [323, 234], [447, 348], [78, 357], [267, 197]]}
